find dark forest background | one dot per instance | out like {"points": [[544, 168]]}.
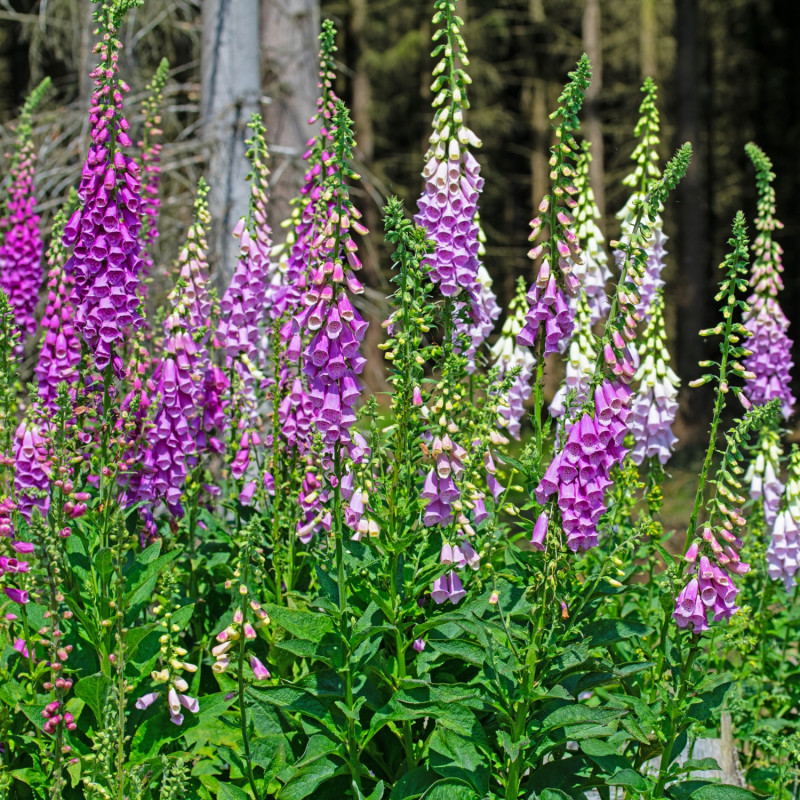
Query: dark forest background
{"points": [[726, 71]]}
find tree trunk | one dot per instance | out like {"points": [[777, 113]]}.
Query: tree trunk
{"points": [[290, 58], [648, 40], [692, 218], [231, 94], [594, 131]]}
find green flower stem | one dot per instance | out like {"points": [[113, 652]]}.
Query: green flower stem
{"points": [[344, 624], [240, 680]]}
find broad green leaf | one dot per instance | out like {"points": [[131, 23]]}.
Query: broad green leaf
{"points": [[457, 757], [605, 756], [450, 789], [723, 792], [92, 690], [704, 705], [413, 784], [458, 648], [181, 616], [305, 781], [104, 563], [608, 631], [228, 791], [302, 624], [629, 778]]}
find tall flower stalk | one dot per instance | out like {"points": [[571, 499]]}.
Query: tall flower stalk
{"points": [[104, 232], [20, 238], [448, 208]]}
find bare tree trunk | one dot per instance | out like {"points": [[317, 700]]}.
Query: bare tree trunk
{"points": [[231, 93], [594, 131], [289, 51], [648, 40], [692, 216]]}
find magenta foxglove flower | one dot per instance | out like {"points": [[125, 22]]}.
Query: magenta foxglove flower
{"points": [[20, 239], [104, 232], [260, 672], [440, 487], [579, 474], [711, 589], [448, 587], [31, 475]]}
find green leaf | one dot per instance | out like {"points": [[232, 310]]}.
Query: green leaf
{"points": [[460, 649], [553, 794], [92, 690], [630, 778], [608, 631], [228, 791], [104, 563], [302, 624], [307, 648], [605, 756], [454, 756], [151, 570], [135, 636], [305, 781], [695, 764], [413, 784], [450, 789], [181, 616], [704, 705], [723, 792]]}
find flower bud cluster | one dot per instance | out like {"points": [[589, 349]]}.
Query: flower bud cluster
{"points": [[711, 587], [579, 474], [593, 272], [150, 148], [509, 355], [104, 232], [20, 239], [770, 359], [560, 252], [357, 511], [170, 676], [312, 500], [783, 553], [656, 401]]}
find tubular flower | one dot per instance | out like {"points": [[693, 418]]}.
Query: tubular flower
{"points": [[31, 478], [20, 240], [579, 474], [61, 349], [448, 207], [770, 347], [104, 233], [593, 272], [763, 475], [243, 304], [508, 355], [656, 401], [440, 488], [331, 359], [581, 358], [560, 252], [783, 553]]}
